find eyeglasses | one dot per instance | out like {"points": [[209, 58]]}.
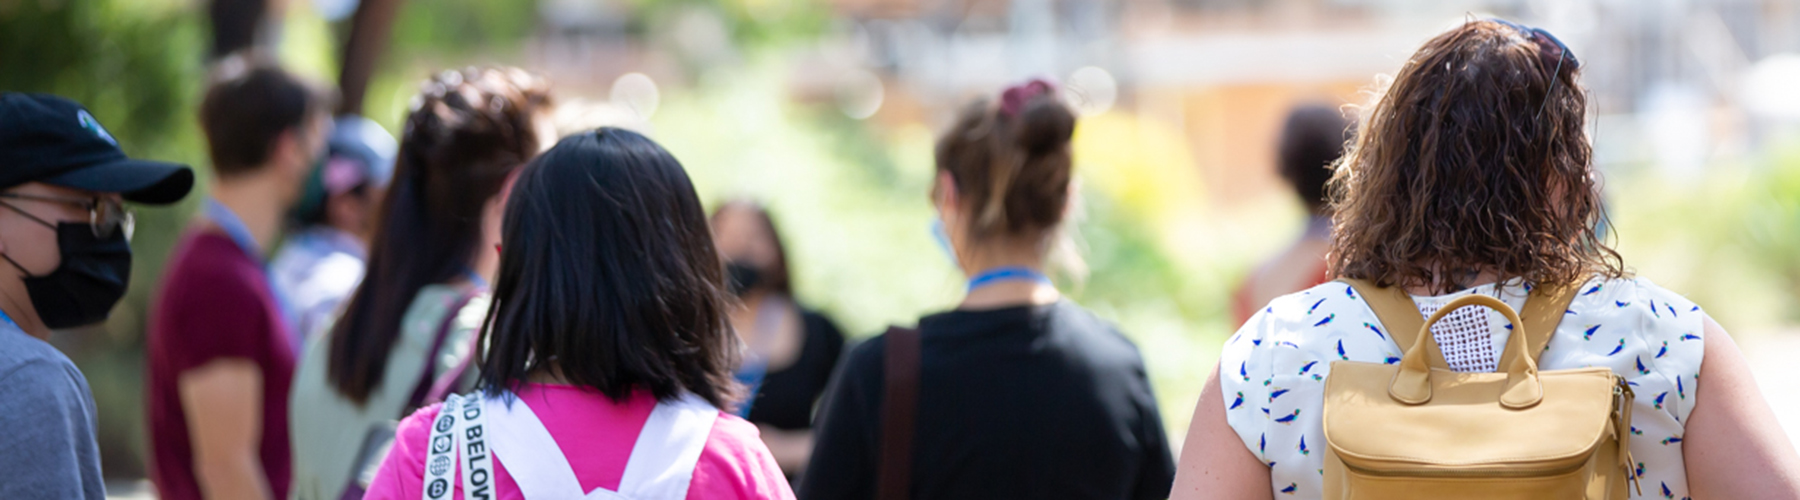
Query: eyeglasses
{"points": [[1538, 37], [105, 215]]}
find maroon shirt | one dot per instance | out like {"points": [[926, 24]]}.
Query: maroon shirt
{"points": [[214, 304]]}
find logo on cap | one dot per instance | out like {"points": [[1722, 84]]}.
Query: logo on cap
{"points": [[88, 122]]}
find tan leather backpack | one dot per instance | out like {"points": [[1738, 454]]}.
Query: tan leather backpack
{"points": [[1420, 430]]}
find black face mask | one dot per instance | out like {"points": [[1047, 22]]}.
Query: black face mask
{"points": [[744, 277], [91, 279]]}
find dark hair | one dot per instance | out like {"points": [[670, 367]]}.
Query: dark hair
{"points": [[1011, 163], [778, 278], [609, 277], [1312, 138], [468, 132], [1473, 160], [250, 103]]}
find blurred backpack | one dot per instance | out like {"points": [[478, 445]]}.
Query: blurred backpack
{"points": [[1419, 430], [380, 437]]}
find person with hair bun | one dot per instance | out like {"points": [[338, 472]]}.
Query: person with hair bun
{"points": [[1016, 393], [406, 335]]}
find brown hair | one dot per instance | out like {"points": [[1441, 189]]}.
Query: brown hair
{"points": [[778, 279], [467, 132], [1312, 138], [251, 102], [1473, 160], [1011, 162]]}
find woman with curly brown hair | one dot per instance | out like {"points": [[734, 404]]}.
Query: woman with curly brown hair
{"points": [[1472, 175]]}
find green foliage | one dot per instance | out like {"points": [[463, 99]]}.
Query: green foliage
{"points": [[460, 27]]}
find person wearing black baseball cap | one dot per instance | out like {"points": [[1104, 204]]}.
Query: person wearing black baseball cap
{"points": [[65, 238]]}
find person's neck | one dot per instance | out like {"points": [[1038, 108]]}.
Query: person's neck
{"points": [[1448, 282], [258, 201], [485, 263], [1011, 292], [16, 303]]}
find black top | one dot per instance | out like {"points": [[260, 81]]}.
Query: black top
{"points": [[785, 399], [1022, 402]]}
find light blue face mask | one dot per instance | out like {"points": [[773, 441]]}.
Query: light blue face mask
{"points": [[943, 240]]}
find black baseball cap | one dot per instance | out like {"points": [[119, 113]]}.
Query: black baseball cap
{"points": [[53, 140]]}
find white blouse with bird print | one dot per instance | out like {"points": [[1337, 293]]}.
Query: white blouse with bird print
{"points": [[1272, 371]]}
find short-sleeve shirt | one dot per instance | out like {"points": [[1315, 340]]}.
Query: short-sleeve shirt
{"points": [[596, 435], [1021, 402], [1272, 371], [48, 448], [316, 271], [785, 398], [215, 303]]}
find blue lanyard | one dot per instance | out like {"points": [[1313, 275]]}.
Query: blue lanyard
{"points": [[475, 278], [1008, 273], [234, 227], [7, 320]]}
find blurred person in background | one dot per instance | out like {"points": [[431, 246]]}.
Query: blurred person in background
{"points": [[791, 351], [1019, 392], [1311, 139], [608, 354], [323, 260], [410, 326], [220, 355], [65, 235], [1472, 174]]}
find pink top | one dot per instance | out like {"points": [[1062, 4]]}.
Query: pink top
{"points": [[596, 435]]}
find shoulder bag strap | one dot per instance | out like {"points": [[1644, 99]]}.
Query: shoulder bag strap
{"points": [[1544, 309], [421, 389], [1398, 314], [899, 408]]}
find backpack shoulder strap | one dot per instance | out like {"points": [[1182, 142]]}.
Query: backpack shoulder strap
{"points": [[1398, 314], [422, 390], [1544, 310], [899, 408]]}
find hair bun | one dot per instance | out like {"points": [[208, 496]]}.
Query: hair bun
{"points": [[1044, 124]]}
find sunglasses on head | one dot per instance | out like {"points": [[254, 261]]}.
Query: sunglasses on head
{"points": [[1548, 46]]}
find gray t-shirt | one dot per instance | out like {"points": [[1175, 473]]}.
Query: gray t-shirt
{"points": [[47, 447]]}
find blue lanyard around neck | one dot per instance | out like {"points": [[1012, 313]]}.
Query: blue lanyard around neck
{"points": [[476, 279], [1007, 273], [234, 228]]}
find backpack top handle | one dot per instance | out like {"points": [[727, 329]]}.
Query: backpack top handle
{"points": [[1543, 311], [1412, 384]]}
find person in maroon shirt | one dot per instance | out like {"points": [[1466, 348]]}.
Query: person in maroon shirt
{"points": [[220, 354]]}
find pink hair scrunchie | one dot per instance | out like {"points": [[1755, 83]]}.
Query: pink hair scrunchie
{"points": [[1014, 98]]}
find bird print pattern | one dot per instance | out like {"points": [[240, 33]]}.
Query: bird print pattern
{"points": [[1276, 364]]}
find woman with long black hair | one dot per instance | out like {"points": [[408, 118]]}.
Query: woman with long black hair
{"points": [[407, 330]]}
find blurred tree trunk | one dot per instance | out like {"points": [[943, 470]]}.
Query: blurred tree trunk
{"points": [[236, 24], [370, 30]]}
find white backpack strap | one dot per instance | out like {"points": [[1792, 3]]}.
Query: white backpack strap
{"points": [[532, 457], [662, 461], [477, 462], [440, 459]]}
